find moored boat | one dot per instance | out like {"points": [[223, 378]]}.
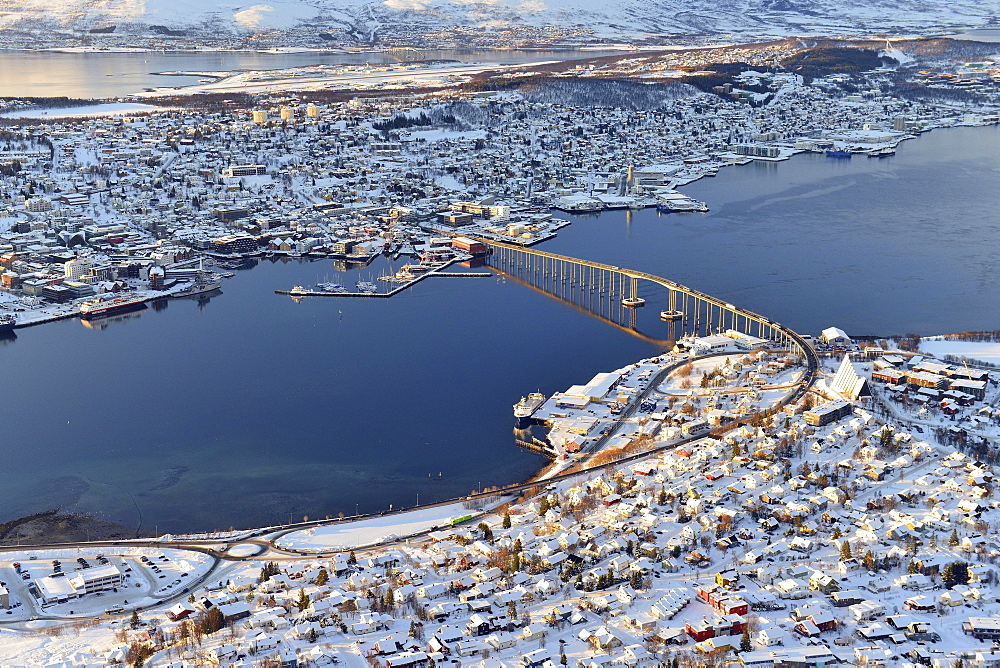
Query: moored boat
{"points": [[107, 304], [7, 321], [526, 407], [198, 287]]}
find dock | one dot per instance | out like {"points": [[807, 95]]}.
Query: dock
{"points": [[439, 271], [537, 449]]}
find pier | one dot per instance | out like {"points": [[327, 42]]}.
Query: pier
{"points": [[439, 271]]}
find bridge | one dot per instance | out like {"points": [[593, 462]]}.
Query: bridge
{"points": [[613, 294]]}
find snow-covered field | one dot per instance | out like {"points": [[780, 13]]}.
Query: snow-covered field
{"points": [[985, 351], [350, 535], [88, 111]]}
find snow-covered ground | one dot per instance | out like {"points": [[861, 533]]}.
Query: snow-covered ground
{"points": [[88, 111], [985, 351], [350, 535]]}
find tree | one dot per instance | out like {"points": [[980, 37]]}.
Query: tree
{"points": [[322, 577], [270, 569], [303, 602], [485, 530], [745, 644], [845, 551], [211, 622], [133, 622], [352, 558], [953, 539], [506, 520], [957, 572], [544, 506]]}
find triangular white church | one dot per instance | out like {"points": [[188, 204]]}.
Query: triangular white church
{"points": [[848, 382]]}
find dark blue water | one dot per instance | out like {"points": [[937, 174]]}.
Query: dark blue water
{"points": [[252, 408], [872, 245]]}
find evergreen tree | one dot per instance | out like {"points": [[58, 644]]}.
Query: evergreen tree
{"points": [[312, 635], [845, 551], [957, 572], [953, 539], [303, 601], [544, 506], [322, 577], [211, 622], [745, 644], [389, 599], [506, 520], [352, 558], [269, 570], [133, 623]]}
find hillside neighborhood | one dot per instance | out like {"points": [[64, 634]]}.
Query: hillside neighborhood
{"points": [[852, 526]]}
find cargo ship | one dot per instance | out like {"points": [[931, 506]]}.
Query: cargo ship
{"points": [[108, 304], [7, 321], [526, 407]]}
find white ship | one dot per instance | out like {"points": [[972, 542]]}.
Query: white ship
{"points": [[107, 304], [526, 407]]}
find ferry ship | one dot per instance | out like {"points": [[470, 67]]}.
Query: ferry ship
{"points": [[106, 304], [7, 321], [526, 407]]}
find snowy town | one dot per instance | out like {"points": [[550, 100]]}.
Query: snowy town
{"points": [[135, 199], [729, 520], [737, 500]]}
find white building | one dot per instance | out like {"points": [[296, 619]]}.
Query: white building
{"points": [[835, 336], [87, 581]]}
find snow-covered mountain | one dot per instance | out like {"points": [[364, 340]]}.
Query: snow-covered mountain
{"points": [[365, 19]]}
